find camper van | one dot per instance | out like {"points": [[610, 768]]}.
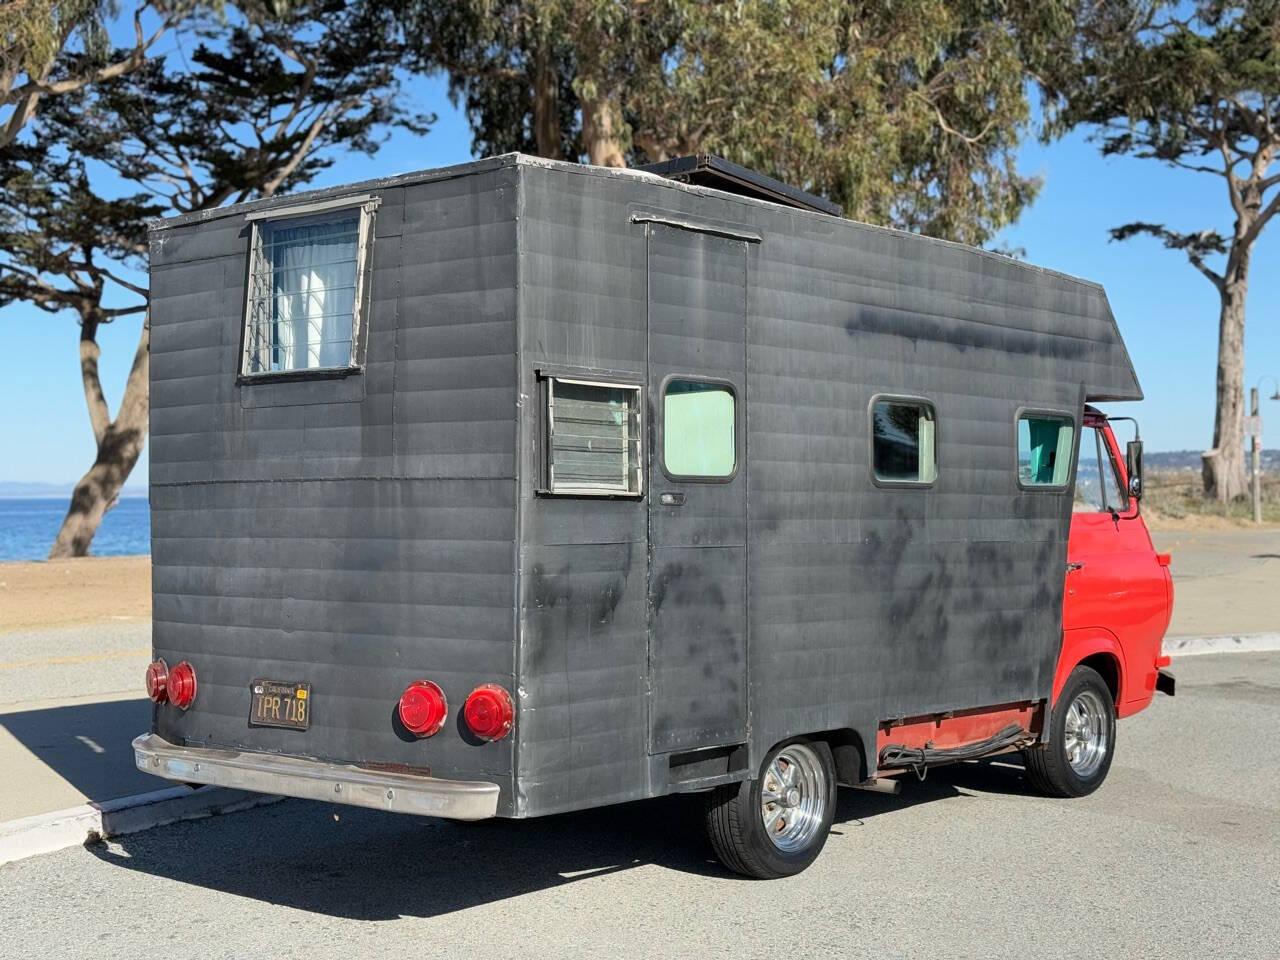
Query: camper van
{"points": [[522, 487]]}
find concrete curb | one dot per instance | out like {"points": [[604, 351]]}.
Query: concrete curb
{"points": [[47, 832], [1232, 643]]}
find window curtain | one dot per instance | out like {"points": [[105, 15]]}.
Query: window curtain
{"points": [[1051, 443], [313, 275]]}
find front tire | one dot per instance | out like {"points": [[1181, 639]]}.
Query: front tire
{"points": [[777, 824], [1082, 739]]}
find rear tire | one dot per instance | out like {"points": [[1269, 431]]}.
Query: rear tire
{"points": [[777, 824], [1082, 739]]}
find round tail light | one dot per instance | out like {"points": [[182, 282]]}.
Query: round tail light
{"points": [[157, 681], [181, 685], [423, 708], [489, 712]]}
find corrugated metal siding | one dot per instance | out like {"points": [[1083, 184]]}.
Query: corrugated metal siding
{"points": [[584, 640], [863, 602], [354, 533], [360, 533]]}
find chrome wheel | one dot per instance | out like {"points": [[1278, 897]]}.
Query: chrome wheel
{"points": [[1086, 733], [793, 797]]}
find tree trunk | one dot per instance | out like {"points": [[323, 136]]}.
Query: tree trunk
{"points": [[600, 133], [546, 104], [120, 444], [1223, 466]]}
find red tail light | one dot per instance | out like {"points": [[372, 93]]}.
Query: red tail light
{"points": [[181, 685], [423, 708], [489, 712], [157, 681]]}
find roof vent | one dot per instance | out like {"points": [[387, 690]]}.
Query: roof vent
{"points": [[707, 171]]}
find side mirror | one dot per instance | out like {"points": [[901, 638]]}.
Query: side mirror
{"points": [[1133, 462]]}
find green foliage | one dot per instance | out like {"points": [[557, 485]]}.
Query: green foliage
{"points": [[34, 32], [255, 108], [906, 113]]}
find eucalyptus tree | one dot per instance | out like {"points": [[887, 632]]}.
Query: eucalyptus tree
{"points": [[54, 47], [906, 113], [258, 104]]}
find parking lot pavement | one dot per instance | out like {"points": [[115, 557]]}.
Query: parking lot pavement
{"points": [[1225, 580], [70, 703], [1175, 857]]}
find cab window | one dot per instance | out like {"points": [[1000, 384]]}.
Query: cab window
{"points": [[1098, 487]]}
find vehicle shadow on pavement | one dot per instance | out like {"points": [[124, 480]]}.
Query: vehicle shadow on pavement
{"points": [[89, 745], [366, 865]]}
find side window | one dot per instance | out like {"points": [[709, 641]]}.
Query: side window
{"points": [[303, 310], [903, 441], [592, 438], [1044, 450], [698, 430], [1098, 485]]}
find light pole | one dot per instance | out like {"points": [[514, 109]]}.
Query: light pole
{"points": [[1256, 432]]}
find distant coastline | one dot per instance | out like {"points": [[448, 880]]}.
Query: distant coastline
{"points": [[17, 490]]}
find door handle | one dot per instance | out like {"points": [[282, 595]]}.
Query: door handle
{"points": [[1075, 565], [672, 499]]}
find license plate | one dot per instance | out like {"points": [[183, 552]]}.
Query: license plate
{"points": [[275, 703]]}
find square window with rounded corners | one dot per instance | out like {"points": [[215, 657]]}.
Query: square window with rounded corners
{"points": [[1045, 445], [593, 438], [904, 441], [699, 423], [306, 275]]}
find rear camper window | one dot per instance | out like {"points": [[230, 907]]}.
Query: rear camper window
{"points": [[593, 438], [304, 293], [903, 441], [1044, 449], [698, 440]]}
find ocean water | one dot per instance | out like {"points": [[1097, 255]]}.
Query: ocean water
{"points": [[28, 526]]}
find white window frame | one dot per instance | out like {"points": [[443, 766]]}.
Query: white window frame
{"points": [[592, 490], [321, 211]]}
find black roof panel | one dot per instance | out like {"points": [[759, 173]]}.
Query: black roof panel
{"points": [[706, 170]]}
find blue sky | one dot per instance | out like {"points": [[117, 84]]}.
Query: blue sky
{"points": [[1167, 311]]}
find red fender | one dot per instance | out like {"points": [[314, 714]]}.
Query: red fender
{"points": [[1085, 642]]}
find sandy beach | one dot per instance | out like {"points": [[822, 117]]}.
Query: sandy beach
{"points": [[1226, 572], [59, 593]]}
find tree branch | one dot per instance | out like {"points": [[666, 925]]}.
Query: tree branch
{"points": [[95, 400], [1196, 246], [1251, 234], [303, 148], [26, 97]]}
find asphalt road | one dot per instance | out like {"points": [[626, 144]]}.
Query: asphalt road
{"points": [[1178, 855]]}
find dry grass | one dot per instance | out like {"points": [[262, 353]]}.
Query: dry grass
{"points": [[1176, 498]]}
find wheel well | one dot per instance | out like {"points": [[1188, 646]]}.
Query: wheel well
{"points": [[1109, 669], [847, 752]]}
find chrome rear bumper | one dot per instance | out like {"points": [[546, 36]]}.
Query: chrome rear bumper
{"points": [[317, 780]]}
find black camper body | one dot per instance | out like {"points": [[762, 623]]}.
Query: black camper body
{"points": [[361, 528]]}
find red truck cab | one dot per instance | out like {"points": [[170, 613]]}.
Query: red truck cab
{"points": [[1119, 595]]}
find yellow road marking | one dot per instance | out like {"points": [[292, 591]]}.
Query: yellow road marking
{"points": [[79, 658]]}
